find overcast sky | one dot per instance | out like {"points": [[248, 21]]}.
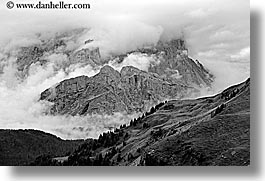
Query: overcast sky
{"points": [[217, 32]]}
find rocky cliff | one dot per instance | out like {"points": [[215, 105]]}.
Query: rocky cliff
{"points": [[173, 75], [173, 63], [64, 45], [111, 91]]}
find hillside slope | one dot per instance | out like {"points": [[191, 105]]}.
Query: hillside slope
{"points": [[21, 147], [207, 131]]}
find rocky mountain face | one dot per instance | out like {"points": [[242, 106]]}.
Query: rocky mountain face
{"points": [[64, 45], [206, 131], [170, 59], [173, 64], [111, 91], [87, 56], [173, 75], [177, 66]]}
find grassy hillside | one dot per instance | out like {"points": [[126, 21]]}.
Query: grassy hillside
{"points": [[206, 131]]}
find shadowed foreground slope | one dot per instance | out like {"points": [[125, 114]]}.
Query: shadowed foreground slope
{"points": [[20, 147], [206, 131]]}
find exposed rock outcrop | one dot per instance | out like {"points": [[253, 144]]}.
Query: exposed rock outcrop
{"points": [[111, 91], [173, 75], [61, 45], [174, 64]]}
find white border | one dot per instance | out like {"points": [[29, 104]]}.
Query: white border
{"points": [[254, 172]]}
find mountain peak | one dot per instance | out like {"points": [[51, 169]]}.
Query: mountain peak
{"points": [[171, 75], [178, 43], [107, 69], [176, 46]]}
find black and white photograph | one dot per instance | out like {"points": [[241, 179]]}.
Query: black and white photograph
{"points": [[125, 83]]}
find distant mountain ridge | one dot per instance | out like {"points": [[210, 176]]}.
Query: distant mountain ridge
{"points": [[110, 91], [171, 74], [174, 64], [175, 76], [172, 61]]}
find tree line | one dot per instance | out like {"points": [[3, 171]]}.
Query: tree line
{"points": [[90, 152]]}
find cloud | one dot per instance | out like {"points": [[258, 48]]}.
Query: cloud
{"points": [[243, 54], [234, 73], [122, 34], [222, 35], [209, 53], [200, 13], [21, 108], [138, 60]]}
